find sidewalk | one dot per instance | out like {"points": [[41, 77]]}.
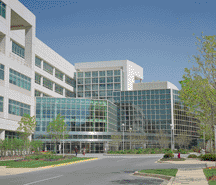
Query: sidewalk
{"points": [[189, 176]]}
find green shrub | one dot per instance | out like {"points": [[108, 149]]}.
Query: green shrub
{"points": [[37, 157], [208, 157], [168, 155], [192, 156], [200, 156], [152, 152]]}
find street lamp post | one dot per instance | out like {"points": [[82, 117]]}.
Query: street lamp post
{"points": [[215, 137], [172, 140], [130, 137], [63, 140], [123, 136]]}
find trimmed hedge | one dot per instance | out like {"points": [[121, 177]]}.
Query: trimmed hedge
{"points": [[208, 157], [192, 156], [168, 155]]}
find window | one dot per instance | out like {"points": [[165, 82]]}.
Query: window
{"points": [[70, 81], [109, 73], [117, 79], [87, 74], [18, 50], [87, 80], [87, 87], [80, 87], [80, 81], [58, 89], [94, 80], [109, 86], [1, 103], [88, 94], [20, 80], [117, 72], [80, 74], [37, 62], [48, 68], [102, 73], [102, 86], [94, 73], [109, 79], [109, 93], [37, 93], [59, 74], [37, 78], [2, 9], [94, 87], [69, 93], [18, 108], [102, 80], [1, 72], [117, 87], [47, 83]]}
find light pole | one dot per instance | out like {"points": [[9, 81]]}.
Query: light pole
{"points": [[63, 140], [215, 137], [172, 140], [130, 137], [123, 136]]}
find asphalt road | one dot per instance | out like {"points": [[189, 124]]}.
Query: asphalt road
{"points": [[107, 170]]}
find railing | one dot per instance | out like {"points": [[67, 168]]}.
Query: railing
{"points": [[18, 59]]}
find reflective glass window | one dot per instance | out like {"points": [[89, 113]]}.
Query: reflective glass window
{"points": [[110, 73], [109, 86], [87, 87], [48, 68], [102, 73], [109, 93], [102, 80], [80, 74], [109, 79], [94, 87], [102, 86], [87, 74], [94, 73], [94, 80], [80, 80], [87, 80], [18, 50], [117, 72], [117, 86]]}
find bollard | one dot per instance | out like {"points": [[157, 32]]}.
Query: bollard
{"points": [[179, 155]]}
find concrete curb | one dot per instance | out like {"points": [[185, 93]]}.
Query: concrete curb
{"points": [[166, 181]]}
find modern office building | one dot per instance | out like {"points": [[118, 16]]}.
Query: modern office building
{"points": [[95, 98]]}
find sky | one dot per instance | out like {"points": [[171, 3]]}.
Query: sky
{"points": [[155, 34]]}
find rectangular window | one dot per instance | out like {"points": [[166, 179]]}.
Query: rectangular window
{"points": [[87, 74], [37, 78], [117, 79], [2, 9], [69, 93], [47, 83], [80, 87], [20, 80], [102, 80], [17, 108], [94, 87], [37, 62], [88, 94], [48, 68], [87, 80], [80, 74], [80, 81], [37, 93], [58, 89], [109, 73], [1, 71], [59, 74], [87, 87], [94, 80], [18, 50], [94, 73], [70, 81], [117, 72], [102, 73], [1, 103], [109, 79]]}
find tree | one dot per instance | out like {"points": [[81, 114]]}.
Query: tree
{"points": [[115, 141], [36, 145], [183, 140], [138, 137], [162, 139], [199, 89], [57, 129], [26, 127]]}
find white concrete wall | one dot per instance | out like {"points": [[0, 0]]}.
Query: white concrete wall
{"points": [[154, 85]]}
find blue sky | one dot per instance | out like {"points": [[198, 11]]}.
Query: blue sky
{"points": [[155, 34]]}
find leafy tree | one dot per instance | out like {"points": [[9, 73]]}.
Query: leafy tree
{"points": [[199, 89], [36, 145], [57, 129], [162, 139], [115, 141], [26, 127]]}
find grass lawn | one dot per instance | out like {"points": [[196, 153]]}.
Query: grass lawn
{"points": [[169, 172], [173, 159], [37, 163], [208, 173]]}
